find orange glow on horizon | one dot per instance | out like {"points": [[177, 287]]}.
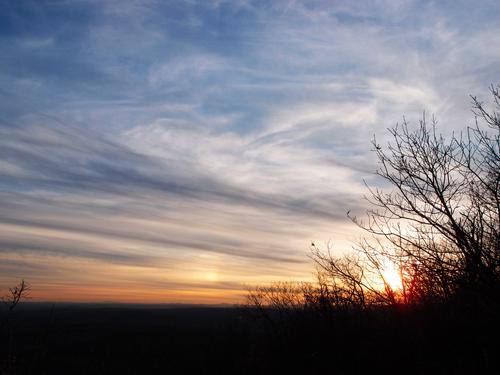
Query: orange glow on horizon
{"points": [[45, 293]]}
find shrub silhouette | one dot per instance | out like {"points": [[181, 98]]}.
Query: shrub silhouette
{"points": [[10, 301]]}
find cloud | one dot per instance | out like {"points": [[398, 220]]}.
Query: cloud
{"points": [[59, 157], [197, 146]]}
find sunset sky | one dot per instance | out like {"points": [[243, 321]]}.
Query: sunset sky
{"points": [[179, 151]]}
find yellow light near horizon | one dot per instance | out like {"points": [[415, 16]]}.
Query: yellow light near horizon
{"points": [[211, 276]]}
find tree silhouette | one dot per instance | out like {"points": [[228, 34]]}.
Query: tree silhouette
{"points": [[423, 283], [435, 222], [11, 300]]}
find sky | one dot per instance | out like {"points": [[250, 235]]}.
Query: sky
{"points": [[183, 151]]}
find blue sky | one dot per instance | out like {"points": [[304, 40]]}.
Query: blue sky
{"points": [[180, 150]]}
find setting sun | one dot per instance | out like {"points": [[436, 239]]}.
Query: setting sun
{"points": [[392, 276]]}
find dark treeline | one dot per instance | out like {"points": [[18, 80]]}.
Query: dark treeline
{"points": [[418, 295], [126, 340], [121, 339]]}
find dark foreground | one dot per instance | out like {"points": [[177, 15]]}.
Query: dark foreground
{"points": [[107, 339]]}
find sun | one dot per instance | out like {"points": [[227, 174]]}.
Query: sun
{"points": [[392, 276]]}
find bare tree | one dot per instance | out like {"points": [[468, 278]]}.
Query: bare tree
{"points": [[437, 219], [11, 300], [423, 283], [16, 294]]}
